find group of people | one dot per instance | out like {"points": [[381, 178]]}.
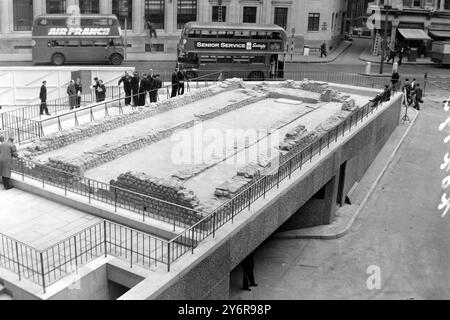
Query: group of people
{"points": [[399, 51], [178, 79], [99, 89], [74, 91], [413, 92], [137, 86], [8, 151]]}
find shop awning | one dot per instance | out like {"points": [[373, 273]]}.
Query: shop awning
{"points": [[440, 34], [414, 34]]}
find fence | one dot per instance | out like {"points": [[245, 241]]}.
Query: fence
{"points": [[47, 266], [187, 240], [141, 204], [44, 267]]}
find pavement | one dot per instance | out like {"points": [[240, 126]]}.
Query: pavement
{"points": [[315, 58], [399, 233], [368, 57], [346, 215]]}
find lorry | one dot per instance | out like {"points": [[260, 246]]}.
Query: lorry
{"points": [[440, 52]]}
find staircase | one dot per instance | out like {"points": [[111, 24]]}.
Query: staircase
{"points": [[4, 295]]}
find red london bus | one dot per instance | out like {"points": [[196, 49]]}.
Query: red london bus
{"points": [[245, 50], [61, 38]]}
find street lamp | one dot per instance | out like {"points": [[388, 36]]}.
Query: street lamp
{"points": [[387, 8]]}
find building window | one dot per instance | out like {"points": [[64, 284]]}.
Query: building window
{"points": [[313, 21], [56, 6], [446, 4], [219, 14], [249, 14], [154, 12], [186, 11], [123, 10], [23, 15], [280, 17], [89, 6]]}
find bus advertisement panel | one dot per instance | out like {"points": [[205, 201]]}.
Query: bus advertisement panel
{"points": [[241, 50], [58, 39]]}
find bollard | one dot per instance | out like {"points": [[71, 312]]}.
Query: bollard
{"points": [[394, 67], [368, 67]]}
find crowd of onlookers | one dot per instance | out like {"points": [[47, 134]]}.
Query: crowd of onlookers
{"points": [[137, 86]]}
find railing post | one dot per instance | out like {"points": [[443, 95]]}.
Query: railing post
{"points": [[214, 224], [131, 249], [42, 270], [104, 236], [278, 178], [192, 237], [290, 167], [265, 184], [249, 197], [115, 199], [168, 256], [89, 190], [18, 264], [76, 254], [143, 209]]}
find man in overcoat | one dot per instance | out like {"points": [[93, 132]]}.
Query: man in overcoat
{"points": [[8, 151], [72, 93]]}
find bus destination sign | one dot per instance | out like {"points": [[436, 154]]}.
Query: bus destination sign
{"points": [[249, 46], [79, 31]]}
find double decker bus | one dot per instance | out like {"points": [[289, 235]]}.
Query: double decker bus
{"points": [[61, 38], [245, 50]]}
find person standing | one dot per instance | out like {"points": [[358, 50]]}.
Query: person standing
{"points": [[79, 89], [135, 89], [72, 93], [323, 50], [94, 87], [395, 78], [126, 80], [151, 29], [144, 86], [43, 98], [400, 55], [8, 151], [418, 96], [157, 83], [248, 278], [101, 91], [174, 83], [391, 56], [181, 80], [152, 86]]}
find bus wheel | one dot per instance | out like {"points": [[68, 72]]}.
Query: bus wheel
{"points": [[58, 59], [256, 75], [116, 59]]}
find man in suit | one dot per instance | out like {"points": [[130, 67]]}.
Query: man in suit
{"points": [[157, 84], [135, 89], [7, 152], [72, 93], [126, 80], [323, 50], [79, 90], [181, 79], [418, 94], [175, 83], [43, 97]]}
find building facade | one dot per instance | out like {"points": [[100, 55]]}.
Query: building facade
{"points": [[407, 20], [306, 21]]}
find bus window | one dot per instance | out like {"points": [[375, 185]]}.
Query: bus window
{"points": [[87, 43], [43, 22], [193, 34], [72, 43], [56, 43], [208, 59], [229, 34], [257, 60], [224, 59], [242, 35], [275, 35], [58, 22], [240, 59], [100, 43], [208, 34]]}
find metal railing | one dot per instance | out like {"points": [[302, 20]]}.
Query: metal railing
{"points": [[292, 161], [45, 267], [141, 204]]}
